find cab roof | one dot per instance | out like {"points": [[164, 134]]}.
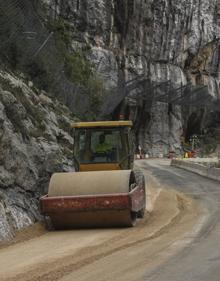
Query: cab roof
{"points": [[101, 124]]}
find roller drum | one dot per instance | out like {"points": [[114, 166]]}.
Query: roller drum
{"points": [[90, 183]]}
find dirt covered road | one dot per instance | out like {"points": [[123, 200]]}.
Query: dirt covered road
{"points": [[107, 254]]}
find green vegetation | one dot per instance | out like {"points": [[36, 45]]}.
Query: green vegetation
{"points": [[62, 31], [53, 65], [79, 71], [77, 67]]}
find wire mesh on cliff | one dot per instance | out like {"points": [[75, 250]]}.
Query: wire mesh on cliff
{"points": [[142, 90], [28, 45]]}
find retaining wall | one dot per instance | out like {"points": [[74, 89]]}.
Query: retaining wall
{"points": [[212, 173]]}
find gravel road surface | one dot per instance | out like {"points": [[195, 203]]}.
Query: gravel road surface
{"points": [[176, 241]]}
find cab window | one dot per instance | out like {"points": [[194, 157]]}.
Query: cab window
{"points": [[99, 145]]}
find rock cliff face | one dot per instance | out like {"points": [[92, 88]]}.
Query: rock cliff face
{"points": [[35, 142], [175, 41]]}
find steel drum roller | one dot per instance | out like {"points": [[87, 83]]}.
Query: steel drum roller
{"points": [[89, 183]]}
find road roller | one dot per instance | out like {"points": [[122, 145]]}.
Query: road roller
{"points": [[104, 190]]}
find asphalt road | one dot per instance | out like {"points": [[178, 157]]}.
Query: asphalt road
{"points": [[199, 260], [177, 241]]}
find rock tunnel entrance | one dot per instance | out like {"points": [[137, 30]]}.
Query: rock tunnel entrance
{"points": [[194, 125]]}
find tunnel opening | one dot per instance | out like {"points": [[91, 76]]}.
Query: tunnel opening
{"points": [[194, 125]]}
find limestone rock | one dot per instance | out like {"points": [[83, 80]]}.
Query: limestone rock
{"points": [[31, 130], [176, 41]]}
